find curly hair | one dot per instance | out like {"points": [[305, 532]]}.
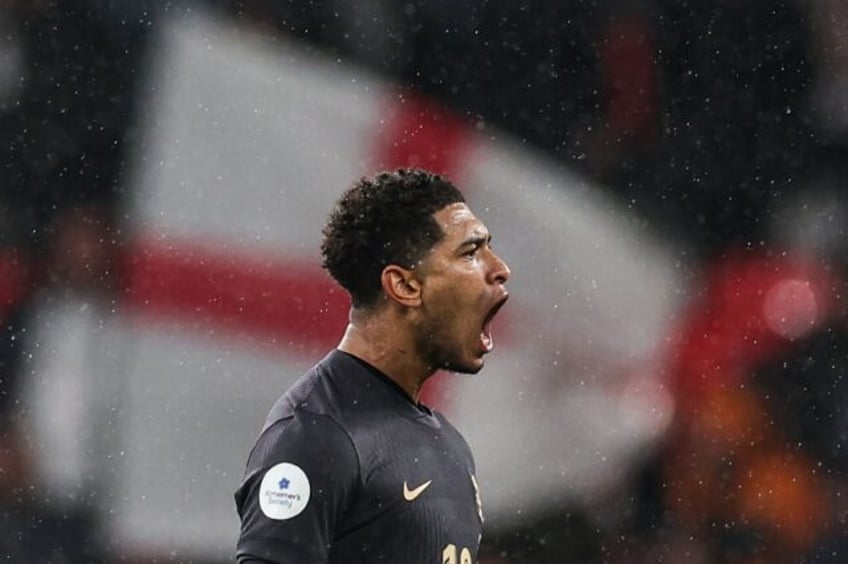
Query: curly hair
{"points": [[387, 219]]}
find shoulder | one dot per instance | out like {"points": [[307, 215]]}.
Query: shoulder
{"points": [[311, 418], [304, 436], [318, 391]]}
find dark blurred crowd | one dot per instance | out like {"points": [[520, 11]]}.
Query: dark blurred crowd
{"points": [[724, 125], [69, 78]]}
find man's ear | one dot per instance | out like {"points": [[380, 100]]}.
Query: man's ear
{"points": [[401, 285]]}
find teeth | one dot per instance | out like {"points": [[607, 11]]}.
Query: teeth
{"points": [[486, 339], [487, 342]]}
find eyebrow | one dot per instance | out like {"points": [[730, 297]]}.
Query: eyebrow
{"points": [[475, 240]]}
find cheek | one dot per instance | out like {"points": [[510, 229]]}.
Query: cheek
{"points": [[439, 295], [454, 323], [452, 309], [444, 318], [453, 298]]}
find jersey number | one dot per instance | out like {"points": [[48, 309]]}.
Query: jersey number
{"points": [[449, 555]]}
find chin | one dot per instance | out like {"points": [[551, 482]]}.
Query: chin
{"points": [[464, 367]]}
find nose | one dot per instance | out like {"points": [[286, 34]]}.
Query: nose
{"points": [[500, 271]]}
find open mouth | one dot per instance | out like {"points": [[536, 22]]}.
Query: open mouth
{"points": [[486, 340]]}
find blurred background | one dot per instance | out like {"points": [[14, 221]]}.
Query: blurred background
{"points": [[665, 179]]}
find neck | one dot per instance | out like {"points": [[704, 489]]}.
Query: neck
{"points": [[375, 338]]}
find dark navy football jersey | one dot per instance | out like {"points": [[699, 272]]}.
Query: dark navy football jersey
{"points": [[348, 469]]}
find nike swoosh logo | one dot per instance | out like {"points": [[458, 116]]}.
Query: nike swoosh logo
{"points": [[410, 495]]}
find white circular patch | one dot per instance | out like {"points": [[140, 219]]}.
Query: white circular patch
{"points": [[284, 491]]}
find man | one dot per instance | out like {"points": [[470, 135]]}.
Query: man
{"points": [[350, 467]]}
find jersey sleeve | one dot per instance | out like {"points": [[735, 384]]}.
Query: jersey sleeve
{"points": [[299, 480]]}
